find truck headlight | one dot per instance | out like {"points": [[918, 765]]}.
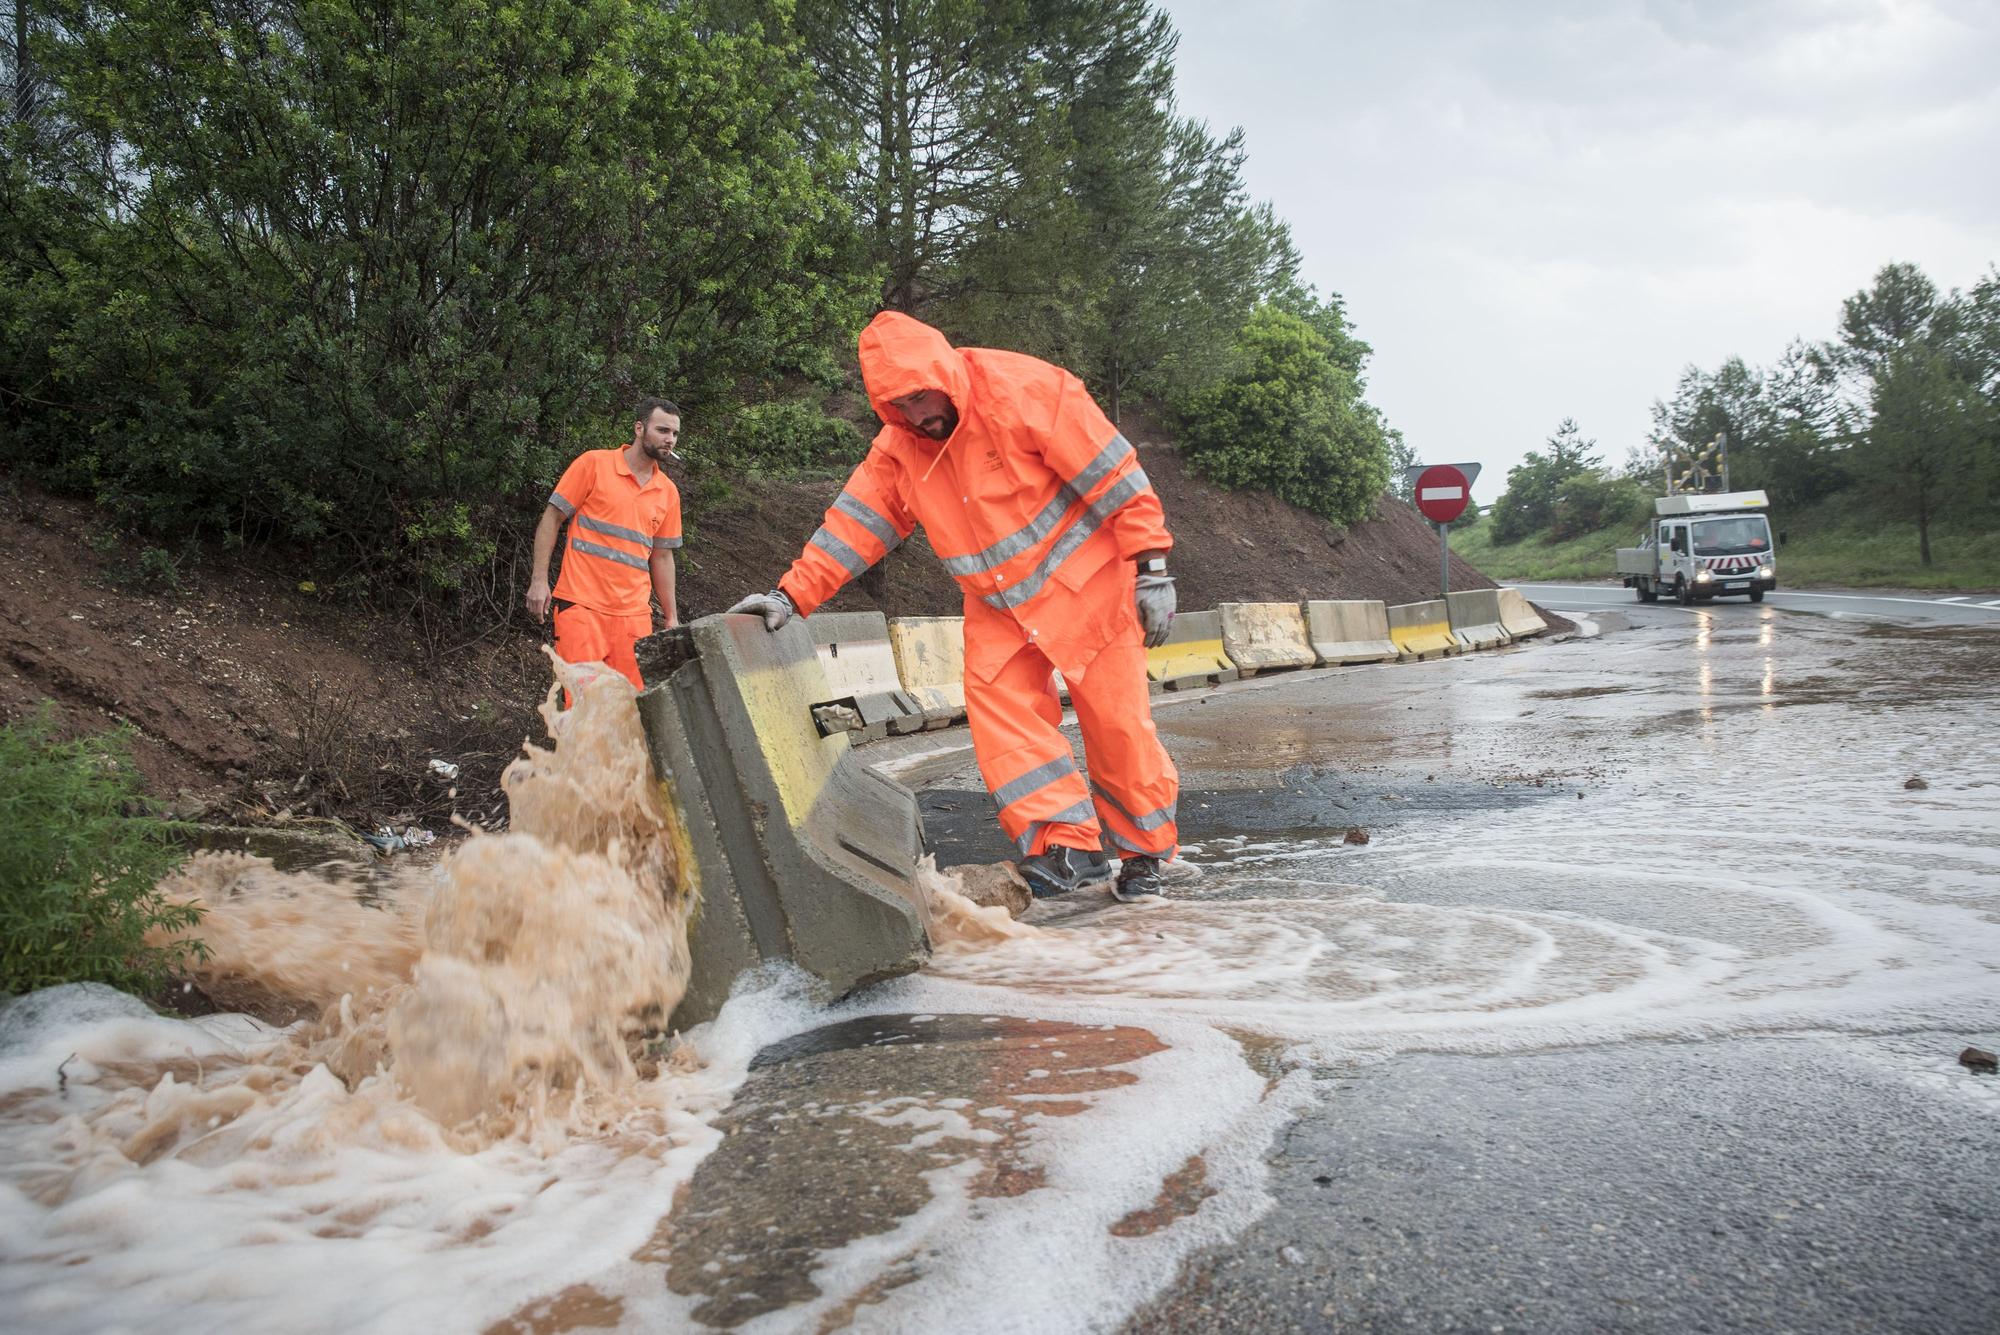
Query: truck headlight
{"points": [[1703, 576], [1766, 572]]}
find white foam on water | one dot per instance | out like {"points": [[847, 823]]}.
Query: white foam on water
{"points": [[330, 1203]]}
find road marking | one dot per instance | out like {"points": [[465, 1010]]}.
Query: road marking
{"points": [[1613, 590], [1955, 598]]}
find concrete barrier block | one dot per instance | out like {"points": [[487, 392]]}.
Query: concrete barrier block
{"points": [[1193, 655], [930, 662], [860, 669], [1265, 637], [1475, 618], [1422, 630], [1518, 616], [802, 852], [1350, 631]]}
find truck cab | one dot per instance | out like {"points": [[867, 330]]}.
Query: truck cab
{"points": [[1703, 545]]}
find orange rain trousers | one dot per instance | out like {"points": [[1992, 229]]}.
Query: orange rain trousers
{"points": [[586, 636], [1127, 804]]}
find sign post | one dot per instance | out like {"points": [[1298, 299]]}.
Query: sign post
{"points": [[1442, 491]]}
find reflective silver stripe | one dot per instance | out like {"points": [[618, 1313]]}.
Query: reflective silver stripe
{"points": [[612, 530], [1102, 466], [1020, 540], [1119, 841], [865, 515], [1036, 779], [850, 560], [556, 499], [662, 544], [608, 553], [1075, 815], [1152, 820], [1043, 524], [1086, 524]]}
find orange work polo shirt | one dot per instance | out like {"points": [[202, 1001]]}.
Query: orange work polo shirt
{"points": [[615, 524]]}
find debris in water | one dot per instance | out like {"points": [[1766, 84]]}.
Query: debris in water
{"points": [[994, 883], [1355, 835], [1979, 1059], [1915, 781]]}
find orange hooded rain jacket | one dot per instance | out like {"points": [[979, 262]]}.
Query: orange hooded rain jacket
{"points": [[1035, 492]]}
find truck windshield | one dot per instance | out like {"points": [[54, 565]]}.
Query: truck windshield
{"points": [[1733, 536]]}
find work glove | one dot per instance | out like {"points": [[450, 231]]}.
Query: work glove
{"points": [[1155, 597], [774, 607]]}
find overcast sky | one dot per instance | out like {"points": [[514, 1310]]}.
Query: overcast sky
{"points": [[1546, 208]]}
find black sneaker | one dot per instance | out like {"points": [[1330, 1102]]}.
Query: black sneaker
{"points": [[1061, 870], [1139, 878]]}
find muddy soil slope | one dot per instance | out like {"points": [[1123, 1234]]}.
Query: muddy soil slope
{"points": [[249, 695]]}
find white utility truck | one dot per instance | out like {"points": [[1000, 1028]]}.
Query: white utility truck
{"points": [[1703, 545]]}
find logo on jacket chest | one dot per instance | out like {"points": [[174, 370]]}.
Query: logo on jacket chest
{"points": [[992, 462]]}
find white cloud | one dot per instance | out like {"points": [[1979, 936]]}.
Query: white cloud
{"points": [[1546, 210]]}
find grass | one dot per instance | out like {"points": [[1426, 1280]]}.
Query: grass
{"points": [[1826, 546]]}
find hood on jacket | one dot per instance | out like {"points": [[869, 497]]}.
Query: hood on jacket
{"points": [[901, 355]]}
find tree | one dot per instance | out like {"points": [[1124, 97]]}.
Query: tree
{"points": [[1288, 419], [1919, 457], [369, 275], [1533, 485]]}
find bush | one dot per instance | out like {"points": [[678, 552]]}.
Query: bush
{"points": [[1290, 420], [79, 864], [782, 437], [1588, 501]]}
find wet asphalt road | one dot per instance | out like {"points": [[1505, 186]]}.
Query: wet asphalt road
{"points": [[1977, 609], [1809, 1182], [1768, 1185]]}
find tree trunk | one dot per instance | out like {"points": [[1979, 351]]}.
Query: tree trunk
{"points": [[24, 84]]}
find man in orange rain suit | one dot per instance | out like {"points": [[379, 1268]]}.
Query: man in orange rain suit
{"points": [[624, 518], [1038, 506]]}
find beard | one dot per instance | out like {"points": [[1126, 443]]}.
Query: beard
{"points": [[659, 454], [941, 426]]}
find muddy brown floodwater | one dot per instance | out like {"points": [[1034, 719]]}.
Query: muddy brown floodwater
{"points": [[1682, 838]]}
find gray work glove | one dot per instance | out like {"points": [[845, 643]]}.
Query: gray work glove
{"points": [[774, 607], [1155, 596]]}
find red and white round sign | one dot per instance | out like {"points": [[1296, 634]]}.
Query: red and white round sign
{"points": [[1442, 493]]}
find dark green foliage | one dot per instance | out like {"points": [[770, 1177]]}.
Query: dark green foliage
{"points": [[1538, 484], [79, 864], [1289, 419], [785, 436], [365, 279]]}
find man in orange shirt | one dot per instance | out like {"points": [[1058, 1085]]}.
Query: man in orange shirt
{"points": [[624, 518], [1037, 505]]}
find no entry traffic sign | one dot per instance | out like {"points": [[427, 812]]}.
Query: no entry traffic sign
{"points": [[1442, 493]]}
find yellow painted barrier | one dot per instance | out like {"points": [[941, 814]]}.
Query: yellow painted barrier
{"points": [[1193, 654], [1422, 630]]}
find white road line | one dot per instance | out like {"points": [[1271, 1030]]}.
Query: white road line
{"points": [[1613, 591], [1955, 598]]}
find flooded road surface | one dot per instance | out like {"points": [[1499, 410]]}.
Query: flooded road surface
{"points": [[1616, 984]]}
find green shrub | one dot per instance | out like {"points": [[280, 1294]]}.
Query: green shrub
{"points": [[1289, 419], [783, 437], [80, 857]]}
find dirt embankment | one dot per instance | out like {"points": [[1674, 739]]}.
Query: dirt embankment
{"points": [[248, 696]]}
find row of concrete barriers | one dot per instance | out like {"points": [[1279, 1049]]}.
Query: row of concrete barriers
{"points": [[890, 676], [802, 852]]}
